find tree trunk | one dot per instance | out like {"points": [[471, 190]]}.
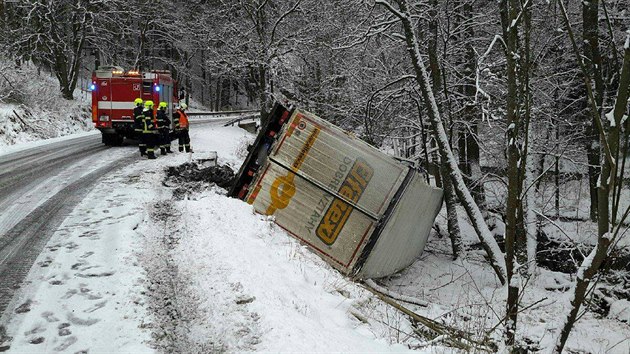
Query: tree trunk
{"points": [[449, 195], [262, 86], [556, 173], [531, 222], [468, 144], [608, 181], [487, 240], [590, 11], [451, 212], [526, 122], [219, 91], [509, 11], [204, 86]]}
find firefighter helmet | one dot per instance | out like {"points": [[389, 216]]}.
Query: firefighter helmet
{"points": [[183, 105], [163, 105], [137, 101], [148, 104]]}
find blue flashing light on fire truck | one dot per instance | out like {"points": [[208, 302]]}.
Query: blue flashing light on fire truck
{"points": [[113, 92]]}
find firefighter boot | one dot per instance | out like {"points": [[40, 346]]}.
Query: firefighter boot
{"points": [[181, 148], [143, 149], [151, 154], [162, 151]]}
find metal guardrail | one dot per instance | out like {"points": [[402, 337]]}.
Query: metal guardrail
{"points": [[242, 118], [219, 113]]}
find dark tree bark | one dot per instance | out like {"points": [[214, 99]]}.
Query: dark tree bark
{"points": [[449, 195], [590, 30], [509, 11], [422, 78], [469, 153], [609, 181]]}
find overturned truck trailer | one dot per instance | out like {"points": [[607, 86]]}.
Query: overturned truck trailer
{"points": [[366, 213]]}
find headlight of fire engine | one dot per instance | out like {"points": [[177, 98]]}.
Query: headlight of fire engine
{"points": [[104, 118], [92, 87], [157, 88]]}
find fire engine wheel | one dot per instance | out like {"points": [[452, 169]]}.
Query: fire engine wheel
{"points": [[118, 140], [113, 139]]}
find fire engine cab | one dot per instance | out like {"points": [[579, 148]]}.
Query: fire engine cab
{"points": [[113, 92]]}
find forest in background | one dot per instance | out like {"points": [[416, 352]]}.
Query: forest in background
{"points": [[514, 106]]}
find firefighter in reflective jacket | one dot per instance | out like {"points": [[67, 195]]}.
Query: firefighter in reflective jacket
{"points": [[164, 127], [181, 128], [138, 118], [149, 130]]}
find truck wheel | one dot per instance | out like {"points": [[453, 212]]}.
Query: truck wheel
{"points": [[113, 139], [106, 139], [118, 139]]}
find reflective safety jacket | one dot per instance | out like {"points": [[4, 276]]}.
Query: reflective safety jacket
{"points": [[138, 118], [163, 123], [181, 120], [148, 125]]}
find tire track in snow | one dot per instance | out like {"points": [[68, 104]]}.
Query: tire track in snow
{"points": [[185, 322], [13, 161], [170, 297], [21, 245], [24, 187]]}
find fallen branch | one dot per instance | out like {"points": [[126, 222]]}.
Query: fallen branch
{"points": [[20, 118], [451, 336], [408, 299]]}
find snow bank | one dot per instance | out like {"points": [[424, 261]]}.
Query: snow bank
{"points": [[242, 284], [33, 109], [254, 288], [253, 277]]}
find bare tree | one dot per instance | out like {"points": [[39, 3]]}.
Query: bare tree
{"points": [[490, 245], [513, 14], [255, 38], [54, 34], [615, 146]]}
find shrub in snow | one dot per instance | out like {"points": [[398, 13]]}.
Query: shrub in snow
{"points": [[34, 109], [620, 310]]}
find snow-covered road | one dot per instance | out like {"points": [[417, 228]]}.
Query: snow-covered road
{"points": [[38, 188], [131, 268], [40, 184]]}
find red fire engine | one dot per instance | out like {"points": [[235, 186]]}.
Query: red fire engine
{"points": [[113, 93]]}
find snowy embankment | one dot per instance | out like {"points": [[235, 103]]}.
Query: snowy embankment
{"points": [[33, 109], [134, 269], [139, 267]]}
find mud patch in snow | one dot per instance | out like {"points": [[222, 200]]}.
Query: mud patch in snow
{"points": [[193, 177]]}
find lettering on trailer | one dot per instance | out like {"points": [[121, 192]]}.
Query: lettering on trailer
{"points": [[339, 211], [280, 197], [333, 185]]}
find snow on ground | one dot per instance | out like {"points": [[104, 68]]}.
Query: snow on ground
{"points": [[466, 294], [133, 269], [8, 149], [84, 289], [136, 269], [32, 110]]}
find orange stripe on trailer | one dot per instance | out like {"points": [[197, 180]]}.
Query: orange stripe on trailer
{"points": [[254, 194], [258, 186], [305, 149], [294, 124]]}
